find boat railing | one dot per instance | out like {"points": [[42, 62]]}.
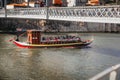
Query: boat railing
{"points": [[59, 40], [112, 73]]}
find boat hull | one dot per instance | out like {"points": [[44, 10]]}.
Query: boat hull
{"points": [[68, 45]]}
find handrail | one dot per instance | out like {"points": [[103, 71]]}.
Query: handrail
{"points": [[98, 11], [104, 14], [112, 72]]}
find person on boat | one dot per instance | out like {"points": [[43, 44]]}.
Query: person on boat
{"points": [[79, 39], [41, 4], [43, 38], [17, 39]]}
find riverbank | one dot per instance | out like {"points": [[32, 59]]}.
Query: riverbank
{"points": [[11, 25], [7, 32]]}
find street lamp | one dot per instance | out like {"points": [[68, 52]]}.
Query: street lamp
{"points": [[47, 13], [47, 9], [1, 3], [46, 3], [5, 5], [28, 3], [117, 1]]}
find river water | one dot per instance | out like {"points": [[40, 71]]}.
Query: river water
{"points": [[58, 63]]}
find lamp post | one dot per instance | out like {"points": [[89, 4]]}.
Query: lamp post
{"points": [[46, 3], [28, 3], [1, 3], [47, 10], [117, 1], [46, 15], [5, 5]]}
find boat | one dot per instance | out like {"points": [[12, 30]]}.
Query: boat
{"points": [[36, 40]]}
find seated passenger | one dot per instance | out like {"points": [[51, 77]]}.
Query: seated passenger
{"points": [[43, 38]]}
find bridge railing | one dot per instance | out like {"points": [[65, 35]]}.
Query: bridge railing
{"points": [[112, 73], [86, 13], [92, 11], [2, 13], [27, 13]]}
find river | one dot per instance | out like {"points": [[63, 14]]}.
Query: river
{"points": [[58, 63]]}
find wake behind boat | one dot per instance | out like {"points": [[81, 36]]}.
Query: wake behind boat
{"points": [[36, 40]]}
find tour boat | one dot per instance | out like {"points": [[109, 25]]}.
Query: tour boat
{"points": [[36, 40]]}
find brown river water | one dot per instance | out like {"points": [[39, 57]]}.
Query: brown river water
{"points": [[58, 63]]}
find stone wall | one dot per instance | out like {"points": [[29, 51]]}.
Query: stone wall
{"points": [[56, 26]]}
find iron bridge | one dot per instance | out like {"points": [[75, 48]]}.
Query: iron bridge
{"points": [[100, 14]]}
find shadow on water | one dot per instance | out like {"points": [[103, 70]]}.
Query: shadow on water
{"points": [[109, 51], [84, 47]]}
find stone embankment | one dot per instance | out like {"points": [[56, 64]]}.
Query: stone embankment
{"points": [[56, 26]]}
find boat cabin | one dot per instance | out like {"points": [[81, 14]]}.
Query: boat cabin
{"points": [[33, 37]]}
